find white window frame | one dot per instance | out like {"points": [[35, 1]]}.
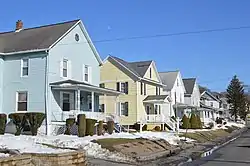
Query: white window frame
{"points": [[17, 101], [124, 103], [89, 74], [22, 67], [67, 69]]}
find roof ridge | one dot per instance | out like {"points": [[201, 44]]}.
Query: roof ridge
{"points": [[141, 61], [169, 71], [189, 78], [42, 26]]}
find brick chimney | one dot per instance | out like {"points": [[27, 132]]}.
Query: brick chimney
{"points": [[19, 25]]}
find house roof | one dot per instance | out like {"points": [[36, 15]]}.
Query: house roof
{"points": [[189, 84], [138, 69], [37, 38], [169, 78]]}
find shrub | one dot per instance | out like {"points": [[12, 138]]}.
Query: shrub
{"points": [[35, 120], [110, 127], [218, 121], [90, 126], [157, 128], [19, 121], [185, 122], [3, 120], [69, 124], [193, 121], [81, 122], [199, 121], [100, 128]]}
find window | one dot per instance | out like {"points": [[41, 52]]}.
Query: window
{"points": [[124, 109], [86, 73], [122, 87], [22, 100], [156, 108], [145, 89], [150, 73], [102, 108], [141, 88], [66, 102], [159, 109], [90, 102], [25, 67], [65, 68], [102, 85], [211, 104], [157, 90], [77, 38]]}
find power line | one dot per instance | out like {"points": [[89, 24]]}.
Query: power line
{"points": [[173, 34]]}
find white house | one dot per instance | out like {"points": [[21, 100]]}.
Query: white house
{"points": [[175, 89]]}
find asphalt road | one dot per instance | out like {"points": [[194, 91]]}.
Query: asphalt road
{"points": [[236, 153]]}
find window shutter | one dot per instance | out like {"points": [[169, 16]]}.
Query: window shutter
{"points": [[126, 87], [90, 74], [69, 69], [141, 88], [126, 108], [145, 89], [118, 86], [61, 68]]}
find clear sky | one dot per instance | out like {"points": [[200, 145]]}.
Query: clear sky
{"points": [[211, 57]]}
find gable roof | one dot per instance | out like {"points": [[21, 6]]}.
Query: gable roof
{"points": [[189, 85], [169, 78], [37, 38], [136, 68]]}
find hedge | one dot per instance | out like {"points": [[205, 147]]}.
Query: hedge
{"points": [[111, 126], [35, 120], [90, 126], [185, 122], [81, 122], [193, 121], [69, 123], [3, 120], [19, 121]]}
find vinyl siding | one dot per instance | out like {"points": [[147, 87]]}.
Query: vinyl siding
{"points": [[110, 81], [34, 83], [1, 83], [153, 73]]}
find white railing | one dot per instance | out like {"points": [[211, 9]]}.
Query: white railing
{"points": [[155, 118], [61, 116]]}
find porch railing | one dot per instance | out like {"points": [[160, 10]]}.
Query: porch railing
{"points": [[61, 116]]}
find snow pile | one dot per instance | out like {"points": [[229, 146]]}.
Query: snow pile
{"points": [[4, 155]]}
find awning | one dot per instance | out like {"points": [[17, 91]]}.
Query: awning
{"points": [[157, 99], [78, 85]]}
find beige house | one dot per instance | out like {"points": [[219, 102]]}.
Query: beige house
{"points": [[142, 100]]}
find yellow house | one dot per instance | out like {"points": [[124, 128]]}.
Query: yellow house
{"points": [[142, 100]]}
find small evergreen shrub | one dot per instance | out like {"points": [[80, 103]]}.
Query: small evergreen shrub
{"points": [[3, 120], [69, 123], [90, 126], [19, 121], [100, 128], [81, 122], [218, 120], [185, 122], [157, 128], [35, 120], [110, 125], [199, 121], [193, 121]]}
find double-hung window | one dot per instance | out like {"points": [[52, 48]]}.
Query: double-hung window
{"points": [[122, 87], [22, 101], [124, 109], [86, 73], [141, 88], [65, 68], [25, 67]]}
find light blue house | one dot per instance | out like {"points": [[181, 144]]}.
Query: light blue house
{"points": [[52, 69]]}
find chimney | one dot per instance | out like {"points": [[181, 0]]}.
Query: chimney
{"points": [[19, 25]]}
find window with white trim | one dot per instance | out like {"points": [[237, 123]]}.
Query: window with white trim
{"points": [[124, 109], [65, 68], [22, 101], [25, 67], [86, 73], [122, 87]]}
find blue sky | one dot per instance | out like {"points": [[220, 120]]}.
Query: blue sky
{"points": [[211, 57]]}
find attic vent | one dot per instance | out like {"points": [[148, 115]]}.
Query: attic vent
{"points": [[77, 38]]}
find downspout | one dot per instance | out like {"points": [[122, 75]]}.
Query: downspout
{"points": [[46, 93]]}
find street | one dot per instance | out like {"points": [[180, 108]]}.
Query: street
{"points": [[233, 154]]}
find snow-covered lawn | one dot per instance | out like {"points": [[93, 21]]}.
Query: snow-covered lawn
{"points": [[35, 144]]}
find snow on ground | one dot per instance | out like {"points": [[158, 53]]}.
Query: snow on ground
{"points": [[4, 155]]}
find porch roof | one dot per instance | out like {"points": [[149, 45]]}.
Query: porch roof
{"points": [[157, 99], [184, 106], [208, 107], [78, 85]]}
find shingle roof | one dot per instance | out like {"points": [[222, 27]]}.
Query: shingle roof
{"points": [[33, 38], [137, 68], [169, 78], [189, 84], [155, 97]]}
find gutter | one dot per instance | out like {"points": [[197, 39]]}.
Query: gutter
{"points": [[27, 51], [46, 94]]}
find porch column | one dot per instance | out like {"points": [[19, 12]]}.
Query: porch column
{"points": [[92, 101], [104, 102], [78, 98]]}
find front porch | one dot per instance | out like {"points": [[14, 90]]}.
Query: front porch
{"points": [[73, 98]]}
